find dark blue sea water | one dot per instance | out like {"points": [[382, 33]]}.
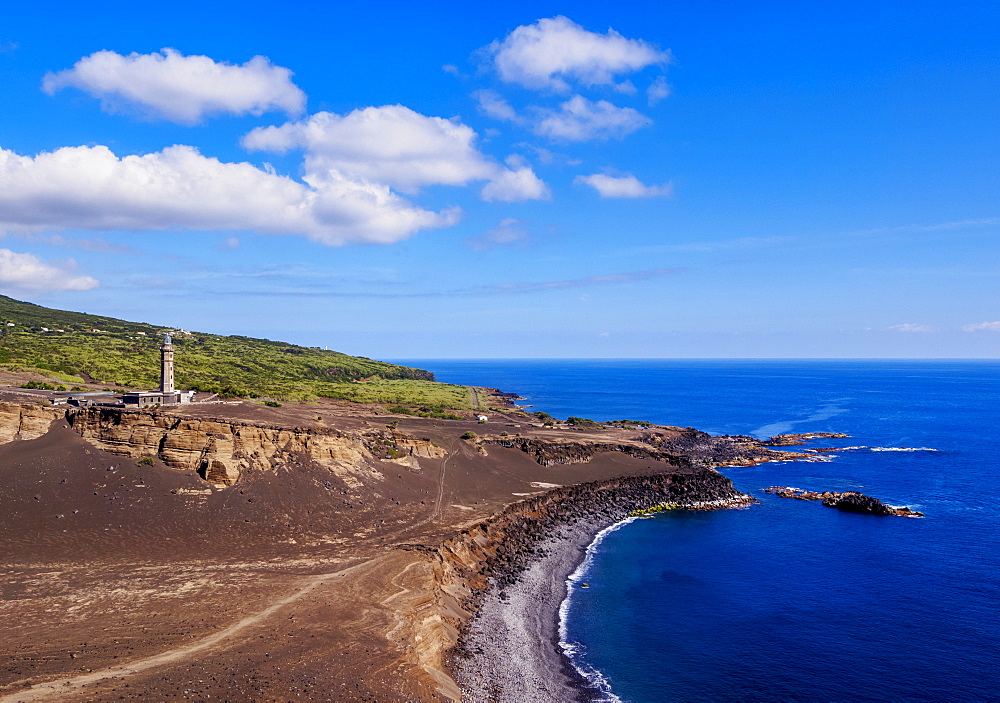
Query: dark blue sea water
{"points": [[790, 600]]}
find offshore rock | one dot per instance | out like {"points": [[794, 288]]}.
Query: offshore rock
{"points": [[848, 501], [786, 440]]}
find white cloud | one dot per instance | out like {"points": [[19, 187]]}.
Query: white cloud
{"points": [[579, 119], [516, 185], [180, 88], [396, 146], [911, 327], [28, 272], [494, 105], [658, 90], [547, 54], [390, 144], [92, 188], [627, 186], [982, 327], [509, 232]]}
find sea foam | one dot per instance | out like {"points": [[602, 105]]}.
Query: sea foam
{"points": [[574, 650]]}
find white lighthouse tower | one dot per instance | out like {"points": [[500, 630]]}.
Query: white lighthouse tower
{"points": [[167, 365]]}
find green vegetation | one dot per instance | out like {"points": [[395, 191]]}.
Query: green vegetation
{"points": [[271, 403], [436, 411], [146, 461], [579, 421], [628, 424], [38, 385], [469, 435], [661, 508], [69, 350]]}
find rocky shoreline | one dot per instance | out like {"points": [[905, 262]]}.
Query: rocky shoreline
{"points": [[513, 570]]}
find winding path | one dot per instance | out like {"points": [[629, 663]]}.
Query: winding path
{"points": [[53, 690]]}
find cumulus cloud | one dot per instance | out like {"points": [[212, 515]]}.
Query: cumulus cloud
{"points": [[509, 232], [171, 86], [92, 188], [28, 272], [396, 146], [579, 119], [492, 104], [553, 51], [982, 327], [911, 327], [390, 144], [516, 185], [627, 186]]}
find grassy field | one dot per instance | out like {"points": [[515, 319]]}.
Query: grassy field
{"points": [[76, 347]]}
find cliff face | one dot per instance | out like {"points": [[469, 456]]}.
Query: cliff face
{"points": [[222, 450], [19, 421]]}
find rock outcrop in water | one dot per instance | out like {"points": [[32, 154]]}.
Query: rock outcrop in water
{"points": [[787, 440], [848, 501]]}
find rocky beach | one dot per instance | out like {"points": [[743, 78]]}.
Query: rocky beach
{"points": [[510, 649]]}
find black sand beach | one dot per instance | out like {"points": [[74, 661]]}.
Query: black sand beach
{"points": [[510, 649], [514, 638]]}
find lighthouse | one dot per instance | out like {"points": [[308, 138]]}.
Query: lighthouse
{"points": [[167, 365], [167, 395]]}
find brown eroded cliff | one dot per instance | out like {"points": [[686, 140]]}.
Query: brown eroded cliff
{"points": [[25, 420], [222, 450]]}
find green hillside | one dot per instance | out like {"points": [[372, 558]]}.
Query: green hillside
{"points": [[77, 347]]}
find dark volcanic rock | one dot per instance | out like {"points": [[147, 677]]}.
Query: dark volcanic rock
{"points": [[786, 440], [854, 502], [849, 501]]}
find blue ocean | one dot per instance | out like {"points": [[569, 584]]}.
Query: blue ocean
{"points": [[790, 600]]}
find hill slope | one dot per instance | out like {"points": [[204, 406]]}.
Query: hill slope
{"points": [[82, 347]]}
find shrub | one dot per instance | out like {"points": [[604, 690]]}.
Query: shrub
{"points": [[146, 461], [271, 403], [38, 386], [469, 435]]}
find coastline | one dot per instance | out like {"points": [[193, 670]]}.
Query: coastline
{"points": [[514, 648], [513, 640]]}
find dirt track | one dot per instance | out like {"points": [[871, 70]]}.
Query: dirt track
{"points": [[127, 582]]}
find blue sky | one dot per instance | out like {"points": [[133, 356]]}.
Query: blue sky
{"points": [[408, 180]]}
